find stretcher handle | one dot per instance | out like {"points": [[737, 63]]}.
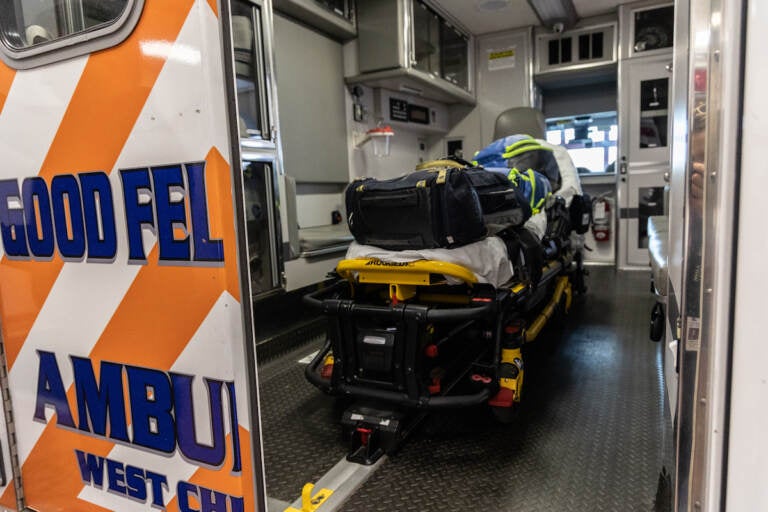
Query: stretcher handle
{"points": [[311, 373], [312, 299]]}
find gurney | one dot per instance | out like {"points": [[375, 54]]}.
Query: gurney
{"points": [[415, 330]]}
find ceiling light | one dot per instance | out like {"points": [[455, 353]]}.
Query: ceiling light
{"points": [[551, 12], [491, 5]]}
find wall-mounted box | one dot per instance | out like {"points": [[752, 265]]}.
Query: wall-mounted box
{"points": [[583, 48], [406, 112]]}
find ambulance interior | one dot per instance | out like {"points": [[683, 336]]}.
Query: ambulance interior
{"points": [[351, 89]]}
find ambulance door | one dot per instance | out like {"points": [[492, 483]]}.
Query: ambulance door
{"points": [[125, 301], [6, 466], [255, 118]]}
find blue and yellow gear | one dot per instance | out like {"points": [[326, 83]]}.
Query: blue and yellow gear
{"points": [[533, 185]]}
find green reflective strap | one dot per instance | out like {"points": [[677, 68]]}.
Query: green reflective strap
{"points": [[532, 180], [527, 140], [528, 147]]}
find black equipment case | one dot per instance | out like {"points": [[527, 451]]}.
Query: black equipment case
{"points": [[431, 208], [501, 201], [421, 210]]}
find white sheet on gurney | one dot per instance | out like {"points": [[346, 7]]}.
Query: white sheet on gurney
{"points": [[571, 183], [487, 259], [537, 224]]}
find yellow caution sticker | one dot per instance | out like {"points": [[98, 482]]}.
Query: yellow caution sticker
{"points": [[502, 58]]}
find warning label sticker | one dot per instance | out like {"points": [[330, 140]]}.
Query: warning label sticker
{"points": [[503, 58]]}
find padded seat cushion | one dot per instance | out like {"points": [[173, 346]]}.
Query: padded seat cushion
{"points": [[658, 228]]}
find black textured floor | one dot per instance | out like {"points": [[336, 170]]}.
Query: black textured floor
{"points": [[300, 426], [590, 437]]}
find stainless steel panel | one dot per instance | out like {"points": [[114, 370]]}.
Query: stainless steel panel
{"points": [[715, 79]]}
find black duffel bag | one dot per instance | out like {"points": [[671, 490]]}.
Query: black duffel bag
{"points": [[501, 201], [525, 252], [422, 210]]}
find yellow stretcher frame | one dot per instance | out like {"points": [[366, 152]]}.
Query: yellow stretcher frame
{"points": [[402, 277]]}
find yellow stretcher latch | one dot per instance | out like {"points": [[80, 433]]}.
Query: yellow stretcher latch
{"points": [[563, 287], [311, 503], [513, 356]]}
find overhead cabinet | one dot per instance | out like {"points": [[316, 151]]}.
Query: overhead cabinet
{"points": [[406, 45], [577, 49], [335, 18]]}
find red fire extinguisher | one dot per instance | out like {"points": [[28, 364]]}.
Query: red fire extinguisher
{"points": [[601, 219]]}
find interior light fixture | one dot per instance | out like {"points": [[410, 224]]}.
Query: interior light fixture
{"points": [[491, 5], [555, 13]]}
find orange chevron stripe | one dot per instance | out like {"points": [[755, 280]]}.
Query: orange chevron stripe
{"points": [[223, 480], [6, 79], [104, 108], [214, 4], [158, 316], [102, 112], [9, 497]]}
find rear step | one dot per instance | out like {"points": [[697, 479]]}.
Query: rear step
{"points": [[374, 432]]}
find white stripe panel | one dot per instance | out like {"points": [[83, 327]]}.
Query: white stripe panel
{"points": [[76, 312], [32, 114], [185, 114], [210, 353], [86, 295]]}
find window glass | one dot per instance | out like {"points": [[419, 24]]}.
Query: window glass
{"points": [[654, 28], [29, 23], [338, 7], [591, 140], [426, 30], [555, 137], [455, 55], [247, 42], [588, 158], [256, 185]]}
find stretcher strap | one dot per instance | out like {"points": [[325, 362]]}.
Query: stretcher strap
{"points": [[529, 177]]}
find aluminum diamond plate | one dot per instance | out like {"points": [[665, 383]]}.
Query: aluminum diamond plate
{"points": [[591, 436]]}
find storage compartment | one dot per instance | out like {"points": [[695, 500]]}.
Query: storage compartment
{"points": [[333, 17], [592, 46], [409, 46], [653, 29]]}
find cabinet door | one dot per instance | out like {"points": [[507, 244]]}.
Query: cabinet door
{"points": [[645, 140], [261, 224], [646, 194], [310, 89], [645, 110], [250, 80]]}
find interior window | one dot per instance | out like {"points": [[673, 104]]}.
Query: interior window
{"points": [[246, 36], [591, 140], [28, 23]]}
